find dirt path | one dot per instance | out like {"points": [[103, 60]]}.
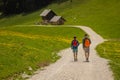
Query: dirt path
{"points": [[66, 69]]}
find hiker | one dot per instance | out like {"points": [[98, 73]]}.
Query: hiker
{"points": [[74, 46], [86, 46]]}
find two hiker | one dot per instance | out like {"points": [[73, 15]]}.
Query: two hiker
{"points": [[86, 46]]}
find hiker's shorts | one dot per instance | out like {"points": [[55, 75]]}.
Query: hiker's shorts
{"points": [[75, 49], [86, 49]]}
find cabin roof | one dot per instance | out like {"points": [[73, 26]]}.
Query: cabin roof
{"points": [[45, 12], [55, 18]]}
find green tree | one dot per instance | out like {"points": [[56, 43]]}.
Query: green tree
{"points": [[18, 6]]}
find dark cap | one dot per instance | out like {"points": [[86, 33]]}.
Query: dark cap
{"points": [[86, 34], [74, 36]]}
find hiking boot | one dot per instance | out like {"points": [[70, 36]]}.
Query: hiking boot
{"points": [[75, 59], [87, 60]]}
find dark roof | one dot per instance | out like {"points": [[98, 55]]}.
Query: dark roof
{"points": [[55, 18], [45, 12]]}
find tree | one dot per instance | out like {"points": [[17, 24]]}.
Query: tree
{"points": [[18, 6]]}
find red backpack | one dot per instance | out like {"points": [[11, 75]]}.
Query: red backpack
{"points": [[87, 43], [74, 43]]}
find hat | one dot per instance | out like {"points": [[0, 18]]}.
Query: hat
{"points": [[86, 34], [74, 36]]}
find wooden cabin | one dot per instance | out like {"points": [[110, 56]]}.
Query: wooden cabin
{"points": [[57, 20], [47, 15]]}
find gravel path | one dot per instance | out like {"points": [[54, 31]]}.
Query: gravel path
{"points": [[66, 69]]}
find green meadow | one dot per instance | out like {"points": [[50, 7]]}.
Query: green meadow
{"points": [[26, 42]]}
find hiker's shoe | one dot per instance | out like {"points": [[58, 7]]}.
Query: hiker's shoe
{"points": [[75, 59], [87, 61]]}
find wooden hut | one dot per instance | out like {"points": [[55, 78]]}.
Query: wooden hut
{"points": [[47, 15], [57, 20]]}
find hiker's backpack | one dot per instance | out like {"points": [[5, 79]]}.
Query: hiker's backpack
{"points": [[75, 43], [87, 42]]}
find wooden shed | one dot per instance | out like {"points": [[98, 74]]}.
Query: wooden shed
{"points": [[47, 15], [57, 20]]}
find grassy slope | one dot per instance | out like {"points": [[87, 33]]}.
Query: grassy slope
{"points": [[102, 16]]}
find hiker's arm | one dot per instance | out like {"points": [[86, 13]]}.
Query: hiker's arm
{"points": [[90, 41], [83, 41], [78, 43]]}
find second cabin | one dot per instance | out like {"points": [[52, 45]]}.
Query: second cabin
{"points": [[57, 20]]}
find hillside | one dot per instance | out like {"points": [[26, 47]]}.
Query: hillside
{"points": [[100, 15]]}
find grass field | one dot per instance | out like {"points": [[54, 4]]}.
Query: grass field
{"points": [[24, 47], [102, 16]]}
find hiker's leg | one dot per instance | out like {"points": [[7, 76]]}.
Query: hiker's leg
{"points": [[87, 53], [86, 56], [84, 51], [76, 55]]}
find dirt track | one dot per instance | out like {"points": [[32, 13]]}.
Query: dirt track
{"points": [[66, 69]]}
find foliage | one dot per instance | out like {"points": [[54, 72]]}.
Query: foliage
{"points": [[18, 6]]}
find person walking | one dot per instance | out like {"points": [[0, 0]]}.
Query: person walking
{"points": [[86, 46], [74, 47]]}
